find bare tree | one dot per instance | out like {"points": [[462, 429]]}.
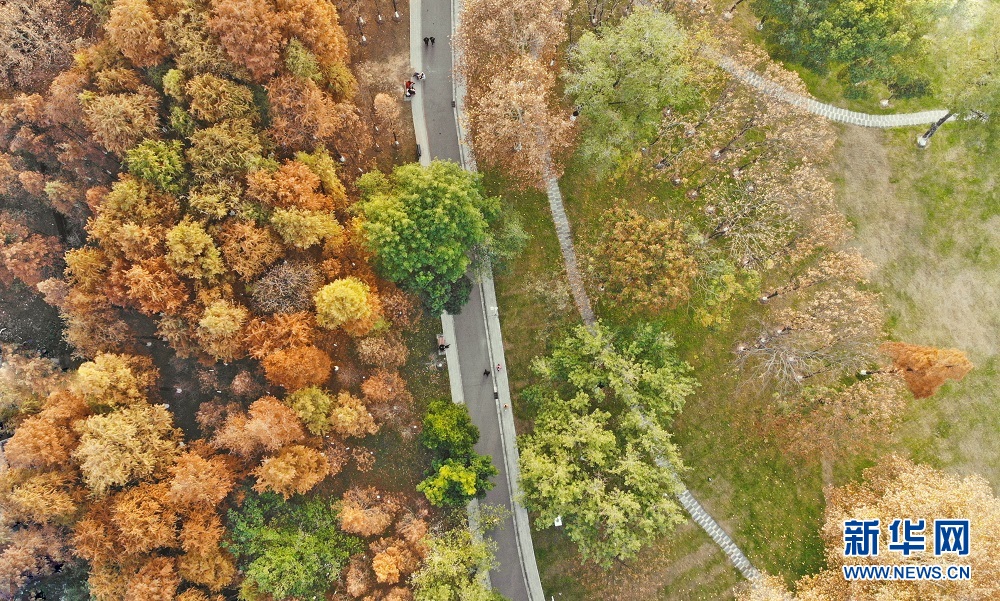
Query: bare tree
{"points": [[834, 333], [35, 40]]}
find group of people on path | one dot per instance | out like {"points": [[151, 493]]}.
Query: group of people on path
{"points": [[408, 90]]}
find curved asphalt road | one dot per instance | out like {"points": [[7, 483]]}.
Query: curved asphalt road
{"points": [[474, 334]]}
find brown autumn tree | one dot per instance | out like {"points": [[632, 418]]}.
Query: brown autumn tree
{"points": [[29, 259], [293, 185], [286, 288], [366, 511], [214, 570], [925, 368], [155, 287], [834, 333], [642, 263], [386, 351], [358, 576], [385, 386], [120, 121], [250, 32], [220, 330], [29, 553], [214, 99], [317, 25], [46, 440], [144, 519], [297, 367], [849, 266], [520, 129], [837, 421], [35, 41], [248, 249], [393, 560], [512, 44], [40, 498], [280, 331], [116, 380], [156, 580], [302, 113], [895, 487], [350, 417], [295, 470], [203, 561], [133, 28], [198, 482], [269, 425]]}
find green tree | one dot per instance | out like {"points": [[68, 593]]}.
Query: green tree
{"points": [[160, 163], [866, 40], [504, 243], [453, 568], [448, 429], [623, 76], [288, 548], [966, 60], [421, 223], [459, 473], [600, 455], [455, 482]]}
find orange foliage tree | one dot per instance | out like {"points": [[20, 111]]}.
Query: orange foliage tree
{"points": [[298, 367], [925, 368]]}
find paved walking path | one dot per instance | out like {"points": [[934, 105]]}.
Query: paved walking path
{"points": [[828, 111], [474, 336]]}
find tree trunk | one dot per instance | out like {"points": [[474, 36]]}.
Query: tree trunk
{"points": [[937, 124]]}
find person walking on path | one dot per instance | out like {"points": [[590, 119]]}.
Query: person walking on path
{"points": [[498, 367], [418, 75], [486, 372], [432, 40], [426, 40]]}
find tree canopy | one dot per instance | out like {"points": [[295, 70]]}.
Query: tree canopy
{"points": [[866, 41], [623, 76], [421, 223], [287, 549], [600, 455]]}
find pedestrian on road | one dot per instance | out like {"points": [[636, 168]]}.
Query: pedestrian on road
{"points": [[486, 372], [505, 405], [432, 40], [498, 367], [418, 75], [426, 40]]}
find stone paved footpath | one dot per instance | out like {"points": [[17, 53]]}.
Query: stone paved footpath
{"points": [[828, 111]]}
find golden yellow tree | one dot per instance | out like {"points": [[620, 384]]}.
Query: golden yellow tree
{"points": [[896, 488], [295, 470]]}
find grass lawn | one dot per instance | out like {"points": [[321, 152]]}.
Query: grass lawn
{"points": [[930, 219], [931, 222]]}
